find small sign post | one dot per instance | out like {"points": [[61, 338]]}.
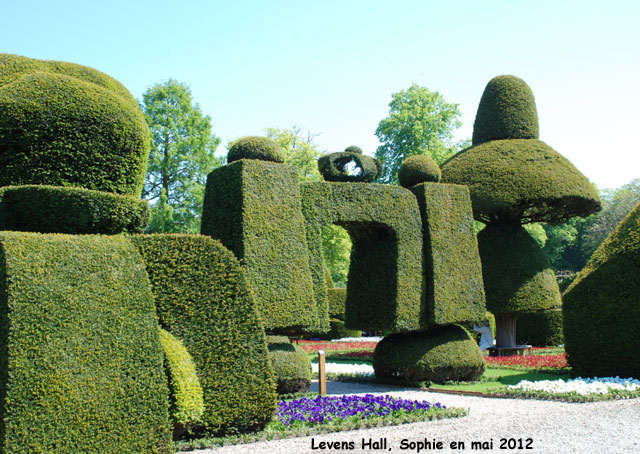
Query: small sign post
{"points": [[322, 376]]}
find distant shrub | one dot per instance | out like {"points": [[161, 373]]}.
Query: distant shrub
{"points": [[253, 147], [540, 329], [291, 366], [339, 330], [418, 169]]}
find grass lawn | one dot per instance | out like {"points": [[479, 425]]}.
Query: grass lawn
{"points": [[495, 378]]}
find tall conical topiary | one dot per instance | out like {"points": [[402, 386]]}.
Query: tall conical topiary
{"points": [[514, 179]]}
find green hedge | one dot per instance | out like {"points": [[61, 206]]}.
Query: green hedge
{"points": [[602, 307], [507, 110], [291, 366], [442, 354], [253, 208], [333, 167], [186, 404], [337, 302], [385, 274], [202, 299], [517, 274], [454, 290], [253, 147], [540, 329], [54, 209], [339, 330], [521, 180], [80, 356], [63, 124], [418, 169]]}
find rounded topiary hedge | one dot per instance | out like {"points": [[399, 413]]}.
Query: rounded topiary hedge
{"points": [[63, 124], [254, 147], [418, 169], [202, 299], [291, 366], [507, 110], [442, 354], [521, 181], [334, 167], [186, 401], [55, 209], [353, 149], [602, 307], [540, 329]]}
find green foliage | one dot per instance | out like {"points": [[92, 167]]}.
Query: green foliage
{"points": [[182, 154], [601, 307], [385, 275], [517, 275], [185, 392], [419, 122], [442, 354], [291, 366], [336, 250], [80, 354], [353, 149], [253, 147], [454, 288], [337, 167], [507, 110], [418, 169], [521, 180], [339, 330], [253, 208], [488, 319], [299, 151], [337, 302], [63, 124], [55, 209], [202, 299], [540, 329]]}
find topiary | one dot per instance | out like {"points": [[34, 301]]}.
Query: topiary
{"points": [[540, 329], [418, 169], [335, 167], [339, 330], [186, 401], [64, 124], [291, 366], [442, 354], [253, 147], [353, 149]]}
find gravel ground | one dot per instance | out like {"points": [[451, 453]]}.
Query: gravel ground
{"points": [[553, 427]]}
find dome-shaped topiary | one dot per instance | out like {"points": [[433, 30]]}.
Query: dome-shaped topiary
{"points": [[521, 181], [353, 149], [418, 169], [446, 353], [291, 366], [507, 110], [63, 124], [253, 147]]}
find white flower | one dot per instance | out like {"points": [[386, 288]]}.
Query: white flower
{"points": [[581, 386], [339, 368]]}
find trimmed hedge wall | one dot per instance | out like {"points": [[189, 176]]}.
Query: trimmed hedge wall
{"points": [[454, 289], [442, 354], [202, 299], [253, 208], [507, 110], [521, 180], [602, 307], [291, 366], [186, 401], [517, 274], [80, 356], [385, 275], [63, 124], [55, 209], [540, 329]]}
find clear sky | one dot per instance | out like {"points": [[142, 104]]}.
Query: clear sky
{"points": [[331, 67]]}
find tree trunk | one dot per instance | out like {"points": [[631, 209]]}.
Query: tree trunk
{"points": [[505, 330]]}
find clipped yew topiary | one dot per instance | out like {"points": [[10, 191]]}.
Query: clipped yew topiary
{"points": [[335, 166], [55, 209], [338, 330], [337, 302], [602, 307], [441, 354], [514, 179], [64, 124], [79, 350], [291, 365], [540, 329], [418, 169], [385, 274], [253, 147], [186, 401], [254, 208], [202, 299]]}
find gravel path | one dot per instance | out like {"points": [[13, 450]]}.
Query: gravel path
{"points": [[554, 427]]}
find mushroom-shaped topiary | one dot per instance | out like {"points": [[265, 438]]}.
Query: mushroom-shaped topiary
{"points": [[253, 147], [418, 169], [353, 149], [514, 179]]}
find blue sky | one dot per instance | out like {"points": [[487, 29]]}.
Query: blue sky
{"points": [[331, 67]]}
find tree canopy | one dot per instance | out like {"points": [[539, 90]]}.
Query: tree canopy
{"points": [[182, 155], [419, 122]]}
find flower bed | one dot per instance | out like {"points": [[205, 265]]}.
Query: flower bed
{"points": [[535, 361], [314, 346], [344, 369], [578, 389]]}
